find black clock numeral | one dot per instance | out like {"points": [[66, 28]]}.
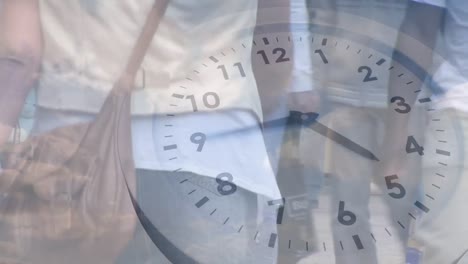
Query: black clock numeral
{"points": [[264, 56], [404, 108], [322, 56], [210, 100], [214, 102], [192, 100], [345, 217], [281, 58], [241, 69], [368, 77], [225, 73], [225, 184], [413, 146], [280, 213], [199, 139], [391, 185]]}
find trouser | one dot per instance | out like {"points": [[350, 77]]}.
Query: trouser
{"points": [[299, 185], [442, 234], [350, 178], [198, 233]]}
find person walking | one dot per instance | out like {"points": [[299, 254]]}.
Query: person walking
{"points": [[74, 50]]}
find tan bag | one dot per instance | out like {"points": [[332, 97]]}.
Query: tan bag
{"points": [[64, 194]]}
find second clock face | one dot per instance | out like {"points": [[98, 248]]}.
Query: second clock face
{"points": [[313, 181]]}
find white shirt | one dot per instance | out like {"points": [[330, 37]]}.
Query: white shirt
{"points": [[440, 3], [241, 154], [176, 51], [451, 75], [87, 45]]}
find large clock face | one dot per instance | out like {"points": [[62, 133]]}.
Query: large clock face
{"points": [[222, 114]]}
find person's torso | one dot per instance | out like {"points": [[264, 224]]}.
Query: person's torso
{"points": [[366, 19], [87, 44]]}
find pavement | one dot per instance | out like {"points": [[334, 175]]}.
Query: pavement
{"points": [[388, 248]]}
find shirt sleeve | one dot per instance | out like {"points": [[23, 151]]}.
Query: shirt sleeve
{"points": [[440, 3]]}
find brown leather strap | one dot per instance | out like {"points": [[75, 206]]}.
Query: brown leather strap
{"points": [[144, 40], [169, 250]]}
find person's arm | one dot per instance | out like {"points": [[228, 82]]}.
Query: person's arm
{"points": [[272, 82], [417, 39], [20, 56], [415, 26], [423, 23]]}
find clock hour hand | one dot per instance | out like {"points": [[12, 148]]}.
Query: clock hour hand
{"points": [[309, 120]]}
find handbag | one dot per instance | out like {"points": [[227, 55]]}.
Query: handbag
{"points": [[64, 195]]}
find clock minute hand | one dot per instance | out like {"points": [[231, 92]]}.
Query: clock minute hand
{"points": [[310, 121], [342, 140]]}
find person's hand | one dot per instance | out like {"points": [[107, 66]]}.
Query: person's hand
{"points": [[305, 102], [61, 207]]}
